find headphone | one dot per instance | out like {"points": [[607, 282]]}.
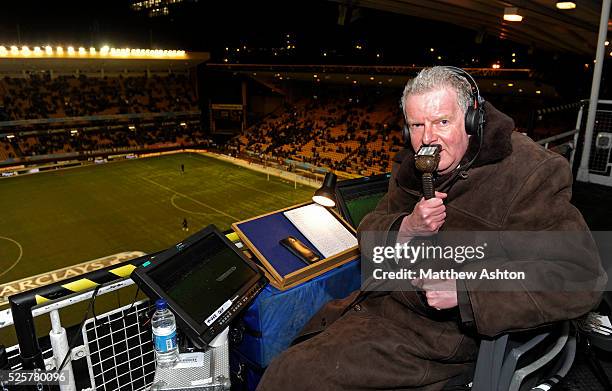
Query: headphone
{"points": [[474, 116]]}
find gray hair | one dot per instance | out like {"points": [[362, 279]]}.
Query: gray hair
{"points": [[430, 79]]}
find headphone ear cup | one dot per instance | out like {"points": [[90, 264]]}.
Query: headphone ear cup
{"points": [[471, 121]]}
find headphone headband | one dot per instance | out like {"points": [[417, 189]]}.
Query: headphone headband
{"points": [[475, 91]]}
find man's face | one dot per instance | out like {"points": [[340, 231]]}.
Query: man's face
{"points": [[434, 117]]}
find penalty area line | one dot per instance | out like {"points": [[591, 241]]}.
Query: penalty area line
{"points": [[191, 199], [173, 202]]}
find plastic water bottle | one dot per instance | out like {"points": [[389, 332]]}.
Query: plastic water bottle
{"points": [[164, 335]]}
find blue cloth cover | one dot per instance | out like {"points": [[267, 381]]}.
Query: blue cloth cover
{"points": [[278, 316]]}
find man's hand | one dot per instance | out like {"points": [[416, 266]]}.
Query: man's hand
{"points": [[425, 220], [441, 294]]}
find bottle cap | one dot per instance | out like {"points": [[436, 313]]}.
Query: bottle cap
{"points": [[161, 304]]}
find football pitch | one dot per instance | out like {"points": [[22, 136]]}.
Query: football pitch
{"points": [[60, 218]]}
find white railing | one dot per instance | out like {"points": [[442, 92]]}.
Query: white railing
{"points": [[137, 347]]}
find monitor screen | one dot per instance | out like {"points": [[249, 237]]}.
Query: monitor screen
{"points": [[209, 274], [206, 281], [358, 197]]}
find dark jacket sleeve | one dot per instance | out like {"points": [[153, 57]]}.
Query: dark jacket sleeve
{"points": [[382, 224], [546, 238]]}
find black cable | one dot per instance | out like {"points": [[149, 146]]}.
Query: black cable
{"points": [[72, 343], [132, 305], [93, 308], [134, 299]]}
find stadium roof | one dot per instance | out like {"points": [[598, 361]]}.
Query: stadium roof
{"points": [[543, 25], [490, 81]]}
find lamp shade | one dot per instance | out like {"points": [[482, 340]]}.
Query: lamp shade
{"points": [[326, 194]]}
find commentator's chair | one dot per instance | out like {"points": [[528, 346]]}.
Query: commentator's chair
{"points": [[521, 361], [594, 337]]}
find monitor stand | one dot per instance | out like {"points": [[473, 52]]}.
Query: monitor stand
{"points": [[206, 371]]}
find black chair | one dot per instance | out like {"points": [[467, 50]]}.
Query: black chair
{"points": [[589, 340], [522, 361]]}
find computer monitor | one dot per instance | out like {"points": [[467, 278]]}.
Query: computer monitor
{"points": [[206, 281], [357, 197]]}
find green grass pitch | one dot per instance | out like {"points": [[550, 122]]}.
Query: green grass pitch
{"points": [[65, 217]]}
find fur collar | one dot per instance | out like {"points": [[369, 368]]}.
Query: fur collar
{"points": [[496, 146]]}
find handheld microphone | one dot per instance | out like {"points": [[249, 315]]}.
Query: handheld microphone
{"points": [[426, 161]]}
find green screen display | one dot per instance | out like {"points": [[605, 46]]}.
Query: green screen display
{"points": [[358, 197], [359, 207]]}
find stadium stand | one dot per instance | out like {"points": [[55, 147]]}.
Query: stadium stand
{"points": [[65, 104], [357, 134], [39, 97], [351, 129], [124, 138], [357, 129]]}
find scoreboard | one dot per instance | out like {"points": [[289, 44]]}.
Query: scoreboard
{"points": [[226, 118]]}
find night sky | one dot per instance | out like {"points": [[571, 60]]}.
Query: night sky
{"points": [[313, 27], [213, 25]]}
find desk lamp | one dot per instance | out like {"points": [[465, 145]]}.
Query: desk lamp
{"points": [[325, 195]]}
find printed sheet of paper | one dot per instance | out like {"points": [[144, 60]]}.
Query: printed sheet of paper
{"points": [[322, 229]]}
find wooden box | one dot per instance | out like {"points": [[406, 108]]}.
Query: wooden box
{"points": [[262, 234]]}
